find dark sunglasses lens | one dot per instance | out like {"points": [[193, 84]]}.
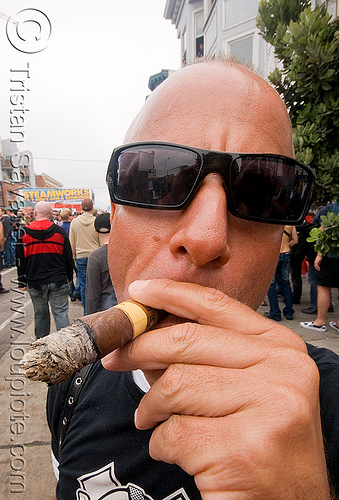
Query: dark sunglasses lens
{"points": [[269, 188], [155, 175]]}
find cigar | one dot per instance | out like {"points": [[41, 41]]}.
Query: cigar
{"points": [[57, 356]]}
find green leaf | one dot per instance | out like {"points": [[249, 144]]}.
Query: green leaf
{"points": [[306, 42]]}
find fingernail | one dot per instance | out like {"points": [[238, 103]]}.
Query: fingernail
{"points": [[106, 362], [139, 286], [135, 417]]}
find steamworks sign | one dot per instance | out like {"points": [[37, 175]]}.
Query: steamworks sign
{"points": [[55, 195]]}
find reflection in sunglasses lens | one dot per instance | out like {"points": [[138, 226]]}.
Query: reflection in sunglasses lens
{"points": [[156, 176], [268, 188]]}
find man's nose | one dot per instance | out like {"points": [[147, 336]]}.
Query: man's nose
{"points": [[201, 233]]}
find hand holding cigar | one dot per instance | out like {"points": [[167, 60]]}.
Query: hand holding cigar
{"points": [[57, 356]]}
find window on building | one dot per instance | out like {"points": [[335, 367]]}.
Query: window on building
{"points": [[199, 33], [242, 48], [236, 12], [7, 174]]}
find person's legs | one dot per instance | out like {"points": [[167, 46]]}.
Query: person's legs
{"points": [[58, 298], [42, 320], [77, 285], [81, 269], [312, 309], [323, 303], [13, 246], [272, 295], [76, 291], [71, 290], [2, 288], [313, 285], [295, 270], [285, 286], [8, 257]]}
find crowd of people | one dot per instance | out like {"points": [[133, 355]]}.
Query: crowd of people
{"points": [[296, 254], [10, 223], [51, 266]]}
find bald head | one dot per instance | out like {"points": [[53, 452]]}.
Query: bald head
{"points": [[216, 105], [43, 210]]}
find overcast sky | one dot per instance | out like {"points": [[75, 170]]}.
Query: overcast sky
{"points": [[89, 82]]}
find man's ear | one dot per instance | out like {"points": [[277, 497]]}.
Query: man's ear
{"points": [[112, 211]]}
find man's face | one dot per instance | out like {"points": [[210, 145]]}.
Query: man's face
{"points": [[211, 107], [29, 211]]}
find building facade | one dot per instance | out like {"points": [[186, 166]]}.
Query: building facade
{"points": [[210, 27], [44, 180], [16, 173]]}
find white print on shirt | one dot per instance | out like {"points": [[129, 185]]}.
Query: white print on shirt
{"points": [[102, 484]]}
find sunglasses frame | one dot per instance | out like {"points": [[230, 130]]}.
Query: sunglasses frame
{"points": [[204, 170]]}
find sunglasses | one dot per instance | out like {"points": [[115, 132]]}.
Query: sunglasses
{"points": [[259, 187]]}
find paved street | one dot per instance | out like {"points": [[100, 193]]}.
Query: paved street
{"points": [[25, 464], [25, 460], [329, 339], [14, 311]]}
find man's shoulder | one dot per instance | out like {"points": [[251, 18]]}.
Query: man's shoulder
{"points": [[82, 220], [99, 253]]}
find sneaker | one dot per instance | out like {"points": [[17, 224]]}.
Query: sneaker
{"points": [[334, 326], [309, 325], [309, 310]]}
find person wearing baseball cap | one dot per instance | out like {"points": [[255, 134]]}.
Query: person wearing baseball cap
{"points": [[100, 294]]}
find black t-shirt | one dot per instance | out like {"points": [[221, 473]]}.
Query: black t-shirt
{"points": [[328, 365], [105, 457], [103, 452]]}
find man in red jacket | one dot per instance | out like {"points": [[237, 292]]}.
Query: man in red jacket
{"points": [[45, 268]]}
